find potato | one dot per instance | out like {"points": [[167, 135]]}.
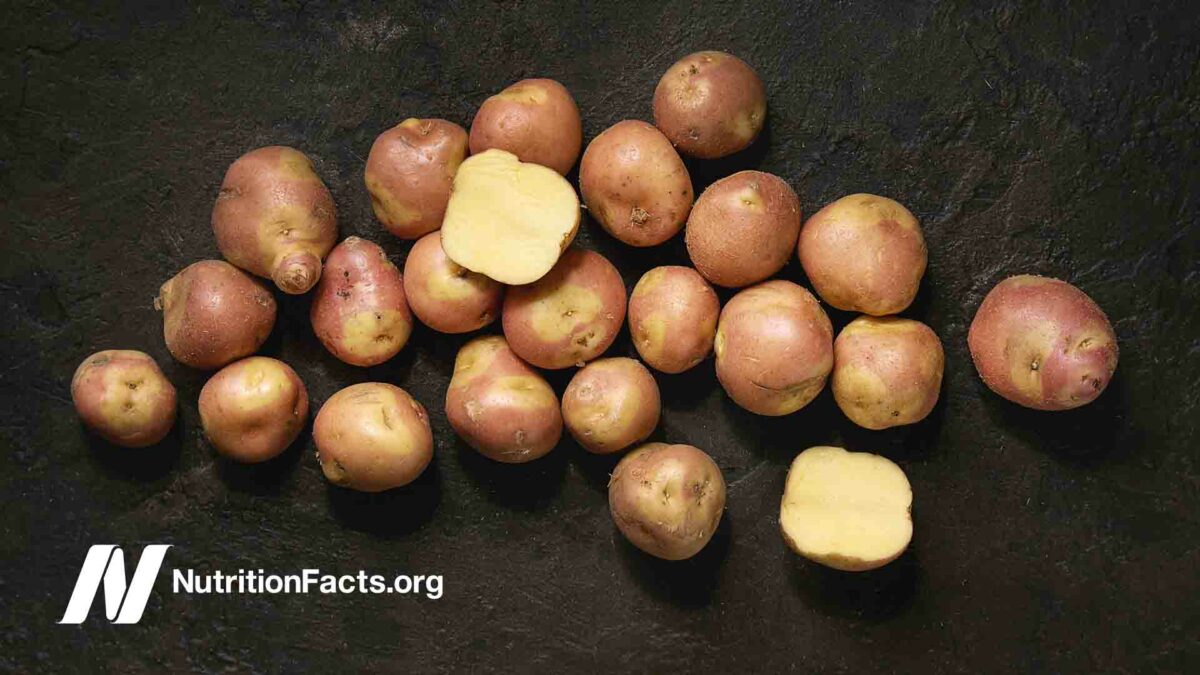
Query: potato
{"points": [[673, 318], [253, 409], [499, 405], [710, 104], [275, 218], [743, 228], [864, 253], [444, 295], [667, 499], [359, 311], [611, 404], [409, 173], [886, 371], [774, 348], [372, 437], [536, 120], [1042, 343], [214, 314], [847, 510], [507, 220], [568, 317], [635, 185], [123, 397]]}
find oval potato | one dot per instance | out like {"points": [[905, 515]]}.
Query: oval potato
{"points": [[611, 404], [535, 119], [124, 397], [372, 437], [253, 409], [409, 173], [887, 371], [710, 104], [444, 295], [673, 318]]}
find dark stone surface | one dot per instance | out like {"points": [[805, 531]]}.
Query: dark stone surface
{"points": [[1027, 140]]}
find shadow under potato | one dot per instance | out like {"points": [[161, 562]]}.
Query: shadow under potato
{"points": [[686, 583], [876, 595], [390, 513], [903, 443], [262, 478], [139, 464], [525, 487]]}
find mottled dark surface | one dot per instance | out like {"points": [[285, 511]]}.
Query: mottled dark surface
{"points": [[1026, 140]]}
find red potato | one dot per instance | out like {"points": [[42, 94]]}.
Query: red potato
{"points": [[536, 120], [253, 409], [611, 404], [214, 314], [372, 437], [710, 104], [359, 311], [444, 295], [673, 318], [123, 397], [1042, 343], [886, 371], [409, 173]]}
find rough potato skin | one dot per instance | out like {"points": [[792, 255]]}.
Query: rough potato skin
{"points": [[710, 104], [123, 397], [864, 253], [568, 317], [359, 311], [444, 295], [409, 173], [774, 348], [372, 437], [253, 409], [743, 228], [1042, 343], [673, 318], [667, 499], [887, 371], [535, 119], [611, 404], [635, 185], [214, 314]]}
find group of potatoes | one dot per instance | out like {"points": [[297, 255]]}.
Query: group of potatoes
{"points": [[493, 220]]}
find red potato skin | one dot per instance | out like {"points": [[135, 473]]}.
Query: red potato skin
{"points": [[253, 409], [903, 360], [409, 173], [535, 119], [611, 404], [1042, 343], [444, 295], [123, 397], [372, 436], [673, 318], [710, 104]]}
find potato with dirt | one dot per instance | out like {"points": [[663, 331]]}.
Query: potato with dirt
{"points": [[124, 398], [444, 295], [372, 437], [253, 409], [611, 404], [534, 119], [887, 371], [409, 173], [710, 104], [673, 318], [359, 311]]}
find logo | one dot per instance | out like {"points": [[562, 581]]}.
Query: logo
{"points": [[124, 601]]}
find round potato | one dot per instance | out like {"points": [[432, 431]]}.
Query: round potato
{"points": [[372, 437], [673, 318], [409, 173], [887, 371], [611, 404], [123, 397], [444, 295], [536, 120], [253, 409], [710, 104], [359, 311], [214, 314]]}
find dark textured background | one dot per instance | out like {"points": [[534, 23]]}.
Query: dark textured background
{"points": [[1053, 142]]}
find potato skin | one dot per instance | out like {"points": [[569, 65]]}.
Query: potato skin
{"points": [[710, 104], [1042, 343], [123, 397], [864, 253], [359, 311], [372, 437], [213, 314], [611, 404], [673, 318], [535, 119], [667, 499], [253, 409], [568, 317], [634, 184], [409, 173], [444, 295], [774, 348], [499, 405], [743, 228], [275, 218], [887, 371]]}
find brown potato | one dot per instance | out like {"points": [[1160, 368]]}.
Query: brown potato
{"points": [[673, 318], [743, 228], [710, 104], [635, 185], [774, 348], [886, 371], [667, 499], [123, 397], [1042, 343], [864, 253], [536, 120], [214, 314], [409, 173], [611, 404], [253, 409], [444, 295], [372, 437], [359, 311]]}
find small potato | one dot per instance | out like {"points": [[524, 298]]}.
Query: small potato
{"points": [[536, 120], [887, 371], [123, 397], [774, 348], [611, 404], [409, 173], [1042, 343], [673, 318], [864, 253], [372, 437], [847, 510], [444, 295], [568, 317], [667, 499], [214, 314], [359, 311], [743, 228], [253, 409], [499, 405], [635, 185], [710, 104]]}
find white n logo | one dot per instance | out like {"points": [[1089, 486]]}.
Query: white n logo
{"points": [[122, 603]]}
